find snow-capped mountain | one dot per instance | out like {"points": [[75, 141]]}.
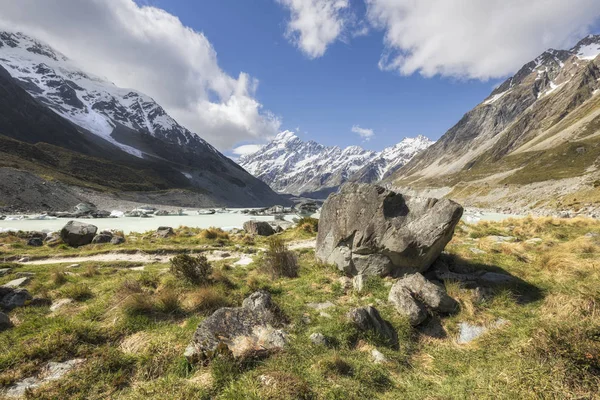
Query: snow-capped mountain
{"points": [[290, 165], [127, 119]]}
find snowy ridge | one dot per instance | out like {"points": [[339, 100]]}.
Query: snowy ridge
{"points": [[290, 165], [86, 100]]}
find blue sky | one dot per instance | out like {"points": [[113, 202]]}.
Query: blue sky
{"points": [[394, 67], [328, 95], [325, 97]]}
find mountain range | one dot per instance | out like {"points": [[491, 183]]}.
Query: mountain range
{"points": [[83, 130], [291, 165], [534, 142]]}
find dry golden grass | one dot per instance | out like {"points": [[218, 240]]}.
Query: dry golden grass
{"points": [[206, 300]]}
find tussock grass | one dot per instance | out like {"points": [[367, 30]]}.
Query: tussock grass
{"points": [[134, 327]]}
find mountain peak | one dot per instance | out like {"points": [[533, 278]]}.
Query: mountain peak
{"points": [[285, 136]]}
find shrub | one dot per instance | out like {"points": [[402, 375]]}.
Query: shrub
{"points": [[196, 270], [77, 291], [214, 233], [168, 301], [308, 224], [130, 286], [90, 271], [149, 279], [138, 304], [59, 278], [279, 260]]}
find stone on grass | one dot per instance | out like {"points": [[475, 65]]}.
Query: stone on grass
{"points": [[413, 295], [359, 282], [261, 228], [102, 238], [249, 330], [366, 229], [58, 304], [117, 240], [318, 339], [16, 283], [368, 319], [35, 242], [469, 332], [5, 271], [345, 283], [52, 371], [378, 357], [495, 278], [164, 232], [77, 234], [4, 322], [11, 298]]}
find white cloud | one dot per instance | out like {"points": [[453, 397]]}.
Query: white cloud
{"points": [[247, 149], [364, 133], [478, 39], [315, 24], [150, 50]]}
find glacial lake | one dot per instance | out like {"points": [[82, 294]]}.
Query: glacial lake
{"points": [[226, 221]]}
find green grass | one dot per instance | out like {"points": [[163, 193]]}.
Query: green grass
{"points": [[133, 326]]}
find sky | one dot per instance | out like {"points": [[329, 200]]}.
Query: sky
{"points": [[340, 72]]}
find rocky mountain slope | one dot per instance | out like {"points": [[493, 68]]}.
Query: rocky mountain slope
{"points": [[290, 165], [94, 118], [535, 141]]}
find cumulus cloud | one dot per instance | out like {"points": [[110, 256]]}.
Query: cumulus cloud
{"points": [[247, 149], [150, 50], [364, 133], [315, 24], [474, 38]]}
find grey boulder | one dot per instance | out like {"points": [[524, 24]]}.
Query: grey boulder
{"points": [[366, 229], [4, 322], [117, 240], [164, 232], [11, 298], [102, 238], [261, 228], [76, 233], [368, 319], [413, 295], [35, 242], [249, 330]]}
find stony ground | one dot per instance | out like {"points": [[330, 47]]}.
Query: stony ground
{"points": [[109, 326]]}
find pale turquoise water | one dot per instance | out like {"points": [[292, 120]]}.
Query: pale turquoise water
{"points": [[136, 224]]}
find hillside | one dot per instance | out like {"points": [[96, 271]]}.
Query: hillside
{"points": [[532, 143], [291, 165], [84, 131]]}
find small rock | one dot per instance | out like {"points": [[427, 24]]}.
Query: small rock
{"points": [[164, 232], [413, 294], [12, 298], [359, 282], [73, 266], [77, 234], [321, 306], [35, 242], [378, 357], [56, 305], [25, 274], [5, 271], [102, 238], [17, 282], [23, 260], [468, 332], [325, 315], [261, 228], [534, 241], [117, 240], [318, 339], [4, 322], [369, 319], [501, 239], [493, 277], [482, 294], [345, 283], [475, 250], [52, 371]]}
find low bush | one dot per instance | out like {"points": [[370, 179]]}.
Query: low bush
{"points": [[279, 261], [59, 278], [214, 233], [77, 291], [168, 301], [206, 300], [308, 224], [196, 270]]}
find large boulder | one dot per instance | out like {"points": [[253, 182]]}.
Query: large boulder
{"points": [[413, 296], [11, 298], [76, 233], [369, 230], [261, 228], [249, 330]]}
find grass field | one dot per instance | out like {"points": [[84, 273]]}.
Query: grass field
{"points": [[132, 326]]}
